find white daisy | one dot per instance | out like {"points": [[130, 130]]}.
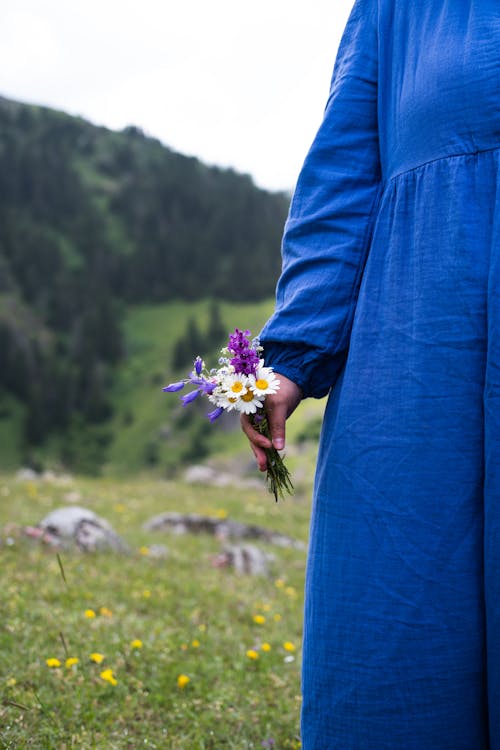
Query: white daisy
{"points": [[231, 387], [264, 382], [235, 384], [223, 398], [249, 402]]}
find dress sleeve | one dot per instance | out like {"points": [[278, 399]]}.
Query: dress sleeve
{"points": [[330, 220]]}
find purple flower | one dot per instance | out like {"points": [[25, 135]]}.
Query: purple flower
{"points": [[189, 397], [245, 359], [203, 384], [197, 381], [208, 387], [198, 365], [238, 340], [246, 362], [215, 414], [174, 387]]}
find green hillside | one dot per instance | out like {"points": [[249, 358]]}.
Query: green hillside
{"points": [[105, 237], [150, 430]]}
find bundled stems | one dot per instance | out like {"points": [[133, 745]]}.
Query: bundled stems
{"points": [[278, 478]]}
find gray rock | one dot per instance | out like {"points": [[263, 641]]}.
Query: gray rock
{"points": [[193, 523], [158, 551], [77, 527], [245, 559], [27, 475], [201, 474]]}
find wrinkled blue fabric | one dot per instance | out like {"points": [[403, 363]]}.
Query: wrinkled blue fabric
{"points": [[389, 301]]}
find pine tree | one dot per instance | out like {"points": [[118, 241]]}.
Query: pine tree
{"points": [[216, 329]]}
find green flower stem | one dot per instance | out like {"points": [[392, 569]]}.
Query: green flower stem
{"points": [[278, 478]]}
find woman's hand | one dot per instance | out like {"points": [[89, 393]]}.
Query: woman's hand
{"points": [[278, 407]]}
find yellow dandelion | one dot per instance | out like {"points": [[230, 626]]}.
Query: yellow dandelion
{"points": [[144, 550], [136, 643], [118, 507], [146, 594], [96, 657], [279, 583], [11, 682], [221, 513], [195, 643], [202, 627], [290, 591], [266, 607], [288, 646], [266, 647], [183, 680], [89, 613], [252, 654], [277, 617], [32, 489], [108, 676], [52, 662], [259, 619], [105, 612], [70, 661]]}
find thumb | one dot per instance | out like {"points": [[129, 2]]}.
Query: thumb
{"points": [[276, 418]]}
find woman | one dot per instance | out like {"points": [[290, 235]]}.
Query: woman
{"points": [[390, 299]]}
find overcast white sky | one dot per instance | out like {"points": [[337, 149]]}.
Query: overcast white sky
{"points": [[236, 84]]}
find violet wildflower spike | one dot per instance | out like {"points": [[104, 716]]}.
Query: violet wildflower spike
{"points": [[245, 359]]}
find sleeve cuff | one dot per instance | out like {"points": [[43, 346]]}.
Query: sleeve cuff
{"points": [[315, 373]]}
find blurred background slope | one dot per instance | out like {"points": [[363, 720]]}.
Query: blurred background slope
{"points": [[120, 260]]}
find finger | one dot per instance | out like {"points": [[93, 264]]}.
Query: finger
{"points": [[276, 417], [261, 457], [255, 437]]}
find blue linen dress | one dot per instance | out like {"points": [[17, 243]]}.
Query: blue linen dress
{"points": [[390, 299]]}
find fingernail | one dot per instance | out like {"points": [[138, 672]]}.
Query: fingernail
{"points": [[279, 444]]}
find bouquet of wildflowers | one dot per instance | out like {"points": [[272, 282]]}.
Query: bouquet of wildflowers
{"points": [[241, 383]]}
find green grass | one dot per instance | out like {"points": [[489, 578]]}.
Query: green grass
{"points": [[230, 701]]}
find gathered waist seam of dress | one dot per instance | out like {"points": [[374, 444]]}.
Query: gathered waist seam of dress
{"points": [[458, 155]]}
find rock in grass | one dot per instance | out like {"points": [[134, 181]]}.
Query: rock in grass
{"points": [[193, 523], [79, 528], [245, 559]]}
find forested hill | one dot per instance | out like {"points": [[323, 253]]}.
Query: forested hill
{"points": [[93, 220], [80, 202]]}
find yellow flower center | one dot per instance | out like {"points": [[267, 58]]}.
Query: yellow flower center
{"points": [[248, 396], [261, 384], [237, 387], [232, 400]]}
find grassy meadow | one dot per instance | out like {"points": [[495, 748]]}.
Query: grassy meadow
{"points": [[131, 651]]}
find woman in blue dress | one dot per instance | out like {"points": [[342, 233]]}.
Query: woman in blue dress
{"points": [[389, 300]]}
